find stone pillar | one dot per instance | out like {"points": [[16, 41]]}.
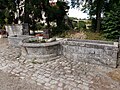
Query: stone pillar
{"points": [[25, 29], [14, 29]]}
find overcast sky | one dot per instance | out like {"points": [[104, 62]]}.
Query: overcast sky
{"points": [[76, 13]]}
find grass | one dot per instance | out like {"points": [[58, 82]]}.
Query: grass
{"points": [[82, 35], [94, 35]]}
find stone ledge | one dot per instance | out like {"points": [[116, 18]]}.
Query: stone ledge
{"points": [[41, 44]]}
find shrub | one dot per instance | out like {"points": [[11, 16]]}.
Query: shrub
{"points": [[81, 25], [111, 23]]}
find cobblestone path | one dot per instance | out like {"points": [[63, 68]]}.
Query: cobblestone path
{"points": [[59, 74], [12, 82]]}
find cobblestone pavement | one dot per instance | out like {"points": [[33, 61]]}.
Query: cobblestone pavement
{"points": [[59, 74], [12, 82]]}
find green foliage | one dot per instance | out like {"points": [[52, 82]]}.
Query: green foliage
{"points": [[111, 22], [81, 25], [59, 12], [33, 13], [94, 8], [56, 14], [59, 30], [34, 8], [39, 26], [7, 10]]}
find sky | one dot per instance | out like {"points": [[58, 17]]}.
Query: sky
{"points": [[76, 13]]}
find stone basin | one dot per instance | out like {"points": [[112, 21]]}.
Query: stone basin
{"points": [[41, 51]]}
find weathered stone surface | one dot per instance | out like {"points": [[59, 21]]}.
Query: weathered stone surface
{"points": [[16, 40], [58, 74], [17, 29], [90, 51], [14, 29], [43, 52]]}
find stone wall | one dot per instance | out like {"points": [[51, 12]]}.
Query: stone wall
{"points": [[91, 51]]}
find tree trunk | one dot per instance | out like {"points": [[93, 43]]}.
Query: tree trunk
{"points": [[48, 28], [98, 19], [46, 6], [98, 14], [26, 14]]}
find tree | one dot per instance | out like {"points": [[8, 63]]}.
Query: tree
{"points": [[57, 13], [111, 21], [7, 10], [31, 12], [94, 7], [60, 13]]}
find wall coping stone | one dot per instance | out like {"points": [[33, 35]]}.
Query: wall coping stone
{"points": [[90, 43], [27, 44], [40, 44]]}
